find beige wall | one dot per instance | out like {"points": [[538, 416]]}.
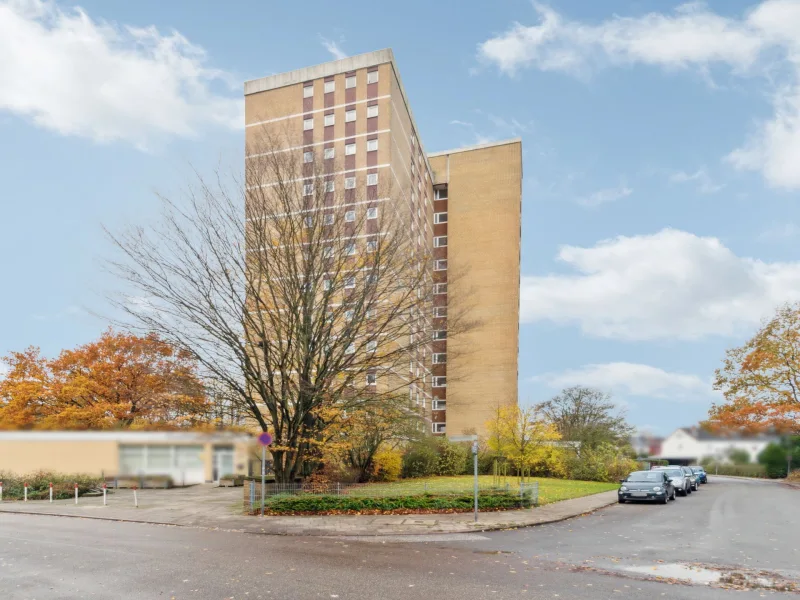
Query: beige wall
{"points": [[484, 220], [93, 458]]}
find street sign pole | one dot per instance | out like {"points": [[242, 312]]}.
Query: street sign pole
{"points": [[265, 439], [475, 469]]}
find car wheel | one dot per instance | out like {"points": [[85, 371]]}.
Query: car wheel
{"points": [[665, 499], [688, 490], [621, 501], [673, 495]]}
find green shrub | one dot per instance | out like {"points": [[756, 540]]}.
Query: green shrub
{"points": [[452, 458], [739, 456], [425, 502], [750, 470], [421, 460], [606, 462], [39, 485]]}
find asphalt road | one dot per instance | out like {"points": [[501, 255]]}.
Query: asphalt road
{"points": [[755, 525]]}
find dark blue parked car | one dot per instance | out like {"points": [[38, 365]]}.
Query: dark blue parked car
{"points": [[700, 473]]}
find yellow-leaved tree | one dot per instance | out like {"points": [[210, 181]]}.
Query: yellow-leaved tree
{"points": [[523, 438]]}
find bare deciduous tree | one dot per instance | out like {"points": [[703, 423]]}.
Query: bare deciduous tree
{"points": [[303, 293]]}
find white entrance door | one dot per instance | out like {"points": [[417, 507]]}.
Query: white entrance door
{"points": [[223, 462]]}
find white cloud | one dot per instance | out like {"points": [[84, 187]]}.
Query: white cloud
{"points": [[493, 127], [632, 379], [691, 37], [77, 76], [334, 49], [669, 285], [705, 185], [605, 196]]}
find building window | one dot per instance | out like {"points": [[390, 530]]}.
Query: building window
{"points": [[440, 241], [440, 193], [372, 346], [308, 221], [372, 246], [350, 116], [326, 284], [440, 382], [350, 82], [372, 213], [308, 157], [372, 145], [329, 186], [349, 183], [439, 404], [372, 379], [438, 427], [330, 86], [350, 282], [372, 179], [439, 218], [308, 124], [329, 153], [350, 216], [350, 249], [440, 265], [372, 111], [372, 77], [439, 288], [308, 91], [440, 311], [349, 149], [327, 252], [330, 119], [440, 334], [351, 349], [308, 189], [439, 358], [348, 314], [329, 219]]}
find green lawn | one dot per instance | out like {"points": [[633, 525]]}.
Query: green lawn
{"points": [[550, 490]]}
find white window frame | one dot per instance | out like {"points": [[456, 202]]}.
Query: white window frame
{"points": [[372, 111], [326, 284], [372, 145], [308, 189], [439, 335], [351, 349], [330, 86], [349, 149], [330, 186], [308, 124], [349, 216], [372, 379], [350, 82], [438, 427], [329, 153], [308, 221], [439, 218], [349, 314], [350, 249], [439, 288], [329, 120], [372, 346], [439, 381], [440, 264], [350, 283], [437, 194], [372, 212], [308, 91], [350, 115], [308, 156], [439, 312], [372, 246], [440, 241], [372, 179], [327, 252], [330, 218], [439, 358], [349, 183], [439, 404], [372, 77]]}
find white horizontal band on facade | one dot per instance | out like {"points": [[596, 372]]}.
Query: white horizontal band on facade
{"points": [[340, 139], [316, 110], [319, 209]]}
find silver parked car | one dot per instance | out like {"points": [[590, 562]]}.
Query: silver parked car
{"points": [[692, 477], [682, 483]]}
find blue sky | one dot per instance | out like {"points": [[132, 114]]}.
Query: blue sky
{"points": [[661, 159]]}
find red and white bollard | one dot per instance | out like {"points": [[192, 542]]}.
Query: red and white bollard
{"points": [[76, 493], [104, 494], [51, 492], [135, 498], [26, 492]]}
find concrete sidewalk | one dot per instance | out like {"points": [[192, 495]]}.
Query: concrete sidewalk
{"points": [[220, 508]]}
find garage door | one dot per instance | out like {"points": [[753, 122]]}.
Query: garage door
{"points": [[184, 464]]}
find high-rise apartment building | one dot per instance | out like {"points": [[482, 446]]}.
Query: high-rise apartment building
{"points": [[463, 206]]}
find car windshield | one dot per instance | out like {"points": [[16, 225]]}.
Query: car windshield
{"points": [[654, 476], [697, 469], [675, 473]]}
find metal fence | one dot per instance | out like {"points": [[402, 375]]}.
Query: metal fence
{"points": [[252, 490]]}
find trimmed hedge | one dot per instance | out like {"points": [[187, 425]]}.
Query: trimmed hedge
{"points": [[39, 485], [424, 502], [751, 470]]}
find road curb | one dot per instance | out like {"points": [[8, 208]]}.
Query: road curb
{"points": [[314, 532]]}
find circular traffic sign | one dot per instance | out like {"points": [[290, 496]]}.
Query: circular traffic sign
{"points": [[265, 439]]}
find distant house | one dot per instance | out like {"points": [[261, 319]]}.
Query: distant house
{"points": [[646, 445], [689, 445]]}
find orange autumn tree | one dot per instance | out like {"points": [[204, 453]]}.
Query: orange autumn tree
{"points": [[118, 381], [761, 379]]}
